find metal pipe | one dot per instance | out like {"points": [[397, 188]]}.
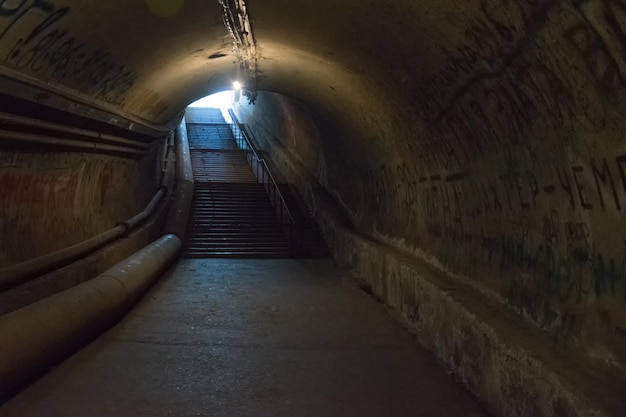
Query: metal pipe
{"points": [[8, 118], [70, 143], [184, 172], [168, 165], [139, 218], [40, 334], [22, 272], [178, 215]]}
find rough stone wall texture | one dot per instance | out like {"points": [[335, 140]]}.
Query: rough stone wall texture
{"points": [[51, 200]]}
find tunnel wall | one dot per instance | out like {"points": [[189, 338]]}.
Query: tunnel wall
{"points": [[516, 181], [484, 138], [45, 331], [508, 169], [53, 199], [280, 125], [575, 301]]}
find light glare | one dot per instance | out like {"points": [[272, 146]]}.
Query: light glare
{"points": [[221, 100]]}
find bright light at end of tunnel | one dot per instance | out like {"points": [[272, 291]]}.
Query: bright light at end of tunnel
{"points": [[223, 100], [237, 85]]}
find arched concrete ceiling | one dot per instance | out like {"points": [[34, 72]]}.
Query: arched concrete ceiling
{"points": [[155, 55], [485, 136], [366, 63], [146, 59]]}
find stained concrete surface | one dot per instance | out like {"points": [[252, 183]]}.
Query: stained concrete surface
{"points": [[254, 338]]}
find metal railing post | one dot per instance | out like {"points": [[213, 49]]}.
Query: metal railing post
{"points": [[264, 176]]}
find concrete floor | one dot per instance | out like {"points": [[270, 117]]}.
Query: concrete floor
{"points": [[250, 338]]}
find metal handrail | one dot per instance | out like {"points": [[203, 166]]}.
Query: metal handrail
{"points": [[264, 176]]}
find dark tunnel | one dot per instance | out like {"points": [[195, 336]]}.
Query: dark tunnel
{"points": [[465, 161]]}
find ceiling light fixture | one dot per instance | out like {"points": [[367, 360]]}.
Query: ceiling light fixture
{"points": [[244, 45]]}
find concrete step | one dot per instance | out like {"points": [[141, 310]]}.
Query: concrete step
{"points": [[236, 254], [237, 238], [259, 198], [200, 216], [228, 186], [227, 227], [251, 218], [203, 115], [232, 244], [252, 203], [232, 215], [216, 212]]}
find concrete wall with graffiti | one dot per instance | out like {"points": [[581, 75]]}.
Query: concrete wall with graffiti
{"points": [[51, 200], [509, 170], [115, 56], [484, 137], [280, 125], [35, 40]]}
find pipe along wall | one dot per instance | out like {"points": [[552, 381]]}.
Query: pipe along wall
{"points": [[41, 334]]}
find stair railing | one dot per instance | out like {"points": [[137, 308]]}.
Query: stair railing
{"points": [[264, 176]]}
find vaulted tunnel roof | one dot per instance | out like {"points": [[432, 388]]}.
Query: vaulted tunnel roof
{"points": [[146, 60], [485, 137]]}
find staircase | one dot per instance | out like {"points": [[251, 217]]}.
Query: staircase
{"points": [[231, 215], [310, 240]]}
